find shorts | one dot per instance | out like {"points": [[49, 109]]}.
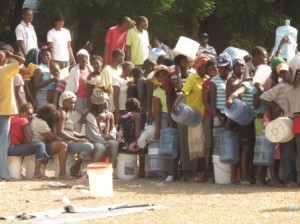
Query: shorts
{"points": [[246, 134]]}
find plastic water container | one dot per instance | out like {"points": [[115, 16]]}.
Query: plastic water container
{"points": [[168, 143], [294, 63], [240, 112], [262, 73], [217, 132], [155, 164], [279, 130], [14, 166], [154, 53], [185, 115], [29, 166], [236, 53], [127, 166], [187, 47], [100, 179], [229, 151], [288, 50], [146, 136], [222, 171], [263, 151]]}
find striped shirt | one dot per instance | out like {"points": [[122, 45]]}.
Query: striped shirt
{"points": [[220, 92], [248, 96]]}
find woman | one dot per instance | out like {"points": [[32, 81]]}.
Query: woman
{"points": [[211, 70], [99, 127], [42, 131], [44, 83], [21, 140], [161, 112], [77, 143], [120, 87], [191, 92], [76, 84], [94, 77]]}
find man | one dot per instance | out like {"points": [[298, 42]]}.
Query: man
{"points": [[25, 33], [204, 47], [276, 99], [115, 38], [59, 41], [109, 73], [259, 57], [7, 105], [137, 42]]}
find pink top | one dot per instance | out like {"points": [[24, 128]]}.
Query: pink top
{"points": [[83, 74], [115, 38], [16, 129], [205, 85]]}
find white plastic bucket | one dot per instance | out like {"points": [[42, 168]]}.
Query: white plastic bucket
{"points": [[127, 166], [29, 166], [187, 47], [222, 171], [100, 179], [14, 166], [279, 130]]}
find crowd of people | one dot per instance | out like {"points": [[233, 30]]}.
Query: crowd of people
{"points": [[55, 102]]}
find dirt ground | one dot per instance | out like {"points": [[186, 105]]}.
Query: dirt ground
{"points": [[186, 202]]}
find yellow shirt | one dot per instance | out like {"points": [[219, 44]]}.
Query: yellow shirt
{"points": [[193, 91], [7, 97], [139, 45], [161, 94]]}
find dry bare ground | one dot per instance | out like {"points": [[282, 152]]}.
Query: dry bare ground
{"points": [[186, 202]]}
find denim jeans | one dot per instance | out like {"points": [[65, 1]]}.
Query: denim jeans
{"points": [[4, 144], [84, 150], [288, 157], [37, 148]]}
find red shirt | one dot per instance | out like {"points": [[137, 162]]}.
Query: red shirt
{"points": [[83, 74], [115, 38], [205, 85], [16, 129]]}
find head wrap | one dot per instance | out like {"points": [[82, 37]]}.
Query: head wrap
{"points": [[99, 97], [65, 96]]}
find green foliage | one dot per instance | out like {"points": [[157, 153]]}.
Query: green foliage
{"points": [[248, 22]]}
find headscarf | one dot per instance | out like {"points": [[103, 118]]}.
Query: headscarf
{"points": [[65, 96]]}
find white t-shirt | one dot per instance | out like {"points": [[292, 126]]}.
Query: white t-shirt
{"points": [[60, 39], [38, 127], [27, 34], [122, 84]]}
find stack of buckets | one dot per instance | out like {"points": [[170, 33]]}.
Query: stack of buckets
{"points": [[225, 153]]}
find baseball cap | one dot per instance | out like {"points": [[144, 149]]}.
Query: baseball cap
{"points": [[276, 61], [282, 67], [224, 60]]}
